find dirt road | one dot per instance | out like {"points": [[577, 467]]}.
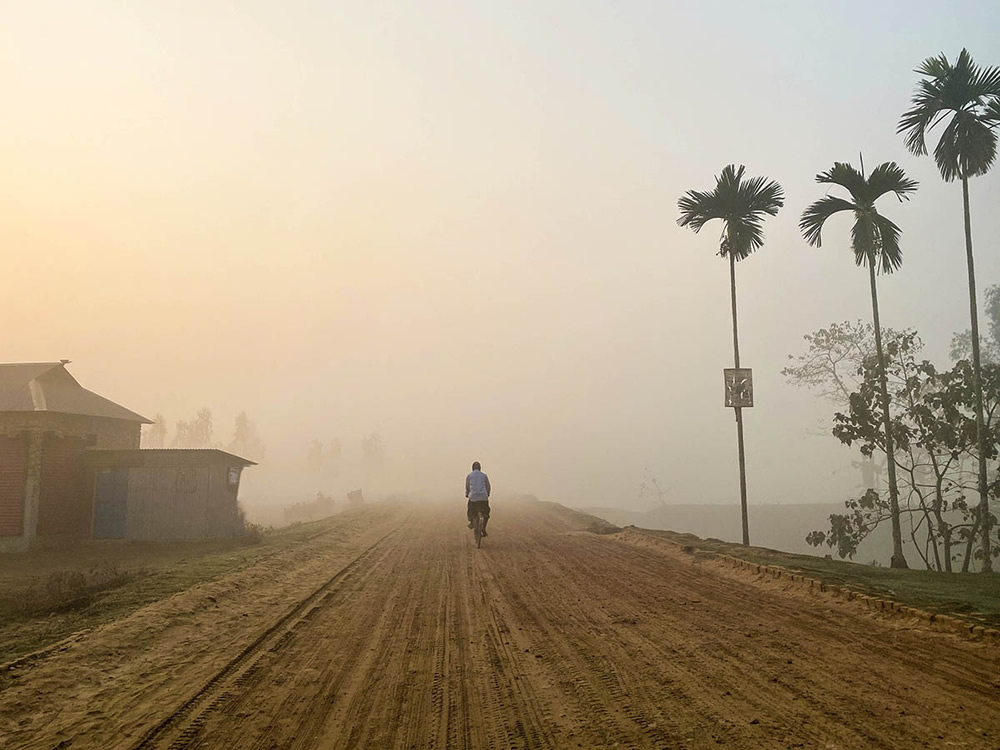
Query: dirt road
{"points": [[398, 633]]}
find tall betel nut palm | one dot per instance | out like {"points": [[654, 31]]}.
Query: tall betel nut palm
{"points": [[965, 99], [875, 241], [741, 205]]}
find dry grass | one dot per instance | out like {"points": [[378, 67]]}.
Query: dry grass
{"points": [[62, 590], [47, 595]]}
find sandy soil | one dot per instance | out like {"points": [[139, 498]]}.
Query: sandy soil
{"points": [[396, 632]]}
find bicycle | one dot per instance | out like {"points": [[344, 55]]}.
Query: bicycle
{"points": [[478, 525]]}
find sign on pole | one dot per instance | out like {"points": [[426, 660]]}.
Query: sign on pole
{"points": [[739, 386]]}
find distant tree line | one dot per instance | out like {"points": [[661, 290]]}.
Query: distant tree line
{"points": [[320, 458], [199, 432]]}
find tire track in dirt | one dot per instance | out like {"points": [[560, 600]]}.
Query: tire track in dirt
{"points": [[410, 656], [683, 661], [183, 727]]}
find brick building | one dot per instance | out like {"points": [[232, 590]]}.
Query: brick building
{"points": [[71, 469], [47, 419]]}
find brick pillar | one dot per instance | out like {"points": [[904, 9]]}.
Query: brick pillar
{"points": [[33, 485]]}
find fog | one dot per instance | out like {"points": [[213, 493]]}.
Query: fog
{"points": [[454, 225]]}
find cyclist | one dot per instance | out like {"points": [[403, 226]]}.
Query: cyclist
{"points": [[477, 490]]}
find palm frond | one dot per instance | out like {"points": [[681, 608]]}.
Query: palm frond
{"points": [[755, 198], [937, 67], [888, 253], [743, 236], [863, 235], [763, 196], [729, 180], [889, 177], [993, 113], [926, 104], [984, 82], [968, 146], [698, 208], [847, 177], [814, 217]]}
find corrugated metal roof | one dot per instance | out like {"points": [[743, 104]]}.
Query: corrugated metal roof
{"points": [[48, 387], [149, 457]]}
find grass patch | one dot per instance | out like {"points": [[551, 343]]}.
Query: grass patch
{"points": [[971, 596], [62, 590]]}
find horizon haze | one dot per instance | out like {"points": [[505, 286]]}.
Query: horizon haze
{"points": [[454, 225]]}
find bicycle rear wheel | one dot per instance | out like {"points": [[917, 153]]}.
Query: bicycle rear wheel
{"points": [[478, 529]]}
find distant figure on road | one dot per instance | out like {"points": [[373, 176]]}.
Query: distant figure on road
{"points": [[477, 489]]}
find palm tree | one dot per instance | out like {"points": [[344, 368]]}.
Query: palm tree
{"points": [[968, 98], [875, 241], [741, 205]]}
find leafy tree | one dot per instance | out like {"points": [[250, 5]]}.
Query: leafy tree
{"points": [[833, 359], [936, 453], [331, 458], [335, 450], [944, 428], [741, 205], [832, 366], [245, 440], [372, 450], [875, 241], [315, 457], [195, 434], [989, 346], [965, 99], [848, 530], [155, 435]]}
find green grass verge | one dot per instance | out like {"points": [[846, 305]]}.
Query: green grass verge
{"points": [[971, 596]]}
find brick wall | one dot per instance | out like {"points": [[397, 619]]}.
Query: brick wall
{"points": [[110, 434], [13, 476], [98, 432]]}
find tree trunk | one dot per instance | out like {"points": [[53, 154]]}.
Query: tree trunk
{"points": [[943, 525], [946, 543], [932, 540], [984, 495], [970, 543], [739, 411], [897, 560]]}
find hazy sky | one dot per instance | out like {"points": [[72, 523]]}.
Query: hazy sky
{"points": [[454, 223]]}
